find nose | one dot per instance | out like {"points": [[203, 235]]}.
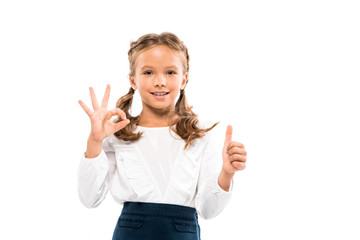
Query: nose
{"points": [[160, 81]]}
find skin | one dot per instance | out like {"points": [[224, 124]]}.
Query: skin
{"points": [[234, 159], [101, 124], [164, 73]]}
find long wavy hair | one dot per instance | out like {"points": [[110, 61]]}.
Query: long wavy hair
{"points": [[186, 125]]}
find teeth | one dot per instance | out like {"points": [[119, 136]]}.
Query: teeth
{"points": [[159, 94]]}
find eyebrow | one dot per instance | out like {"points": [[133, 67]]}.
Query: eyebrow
{"points": [[147, 66]]}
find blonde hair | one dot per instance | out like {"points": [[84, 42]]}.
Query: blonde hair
{"points": [[186, 126]]}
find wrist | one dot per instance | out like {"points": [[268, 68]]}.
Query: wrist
{"points": [[224, 180], [226, 174], [94, 141], [93, 148]]}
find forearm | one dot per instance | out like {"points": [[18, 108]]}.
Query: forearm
{"points": [[224, 180], [93, 148]]}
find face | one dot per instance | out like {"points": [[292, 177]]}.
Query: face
{"points": [[158, 69]]}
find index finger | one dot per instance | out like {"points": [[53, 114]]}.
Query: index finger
{"points": [[105, 99]]}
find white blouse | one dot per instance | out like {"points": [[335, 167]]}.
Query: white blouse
{"points": [[157, 169]]}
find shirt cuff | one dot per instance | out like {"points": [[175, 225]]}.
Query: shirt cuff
{"points": [[101, 155]]}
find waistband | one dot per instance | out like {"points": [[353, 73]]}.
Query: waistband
{"points": [[159, 209]]}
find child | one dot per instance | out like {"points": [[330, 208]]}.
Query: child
{"points": [[161, 165]]}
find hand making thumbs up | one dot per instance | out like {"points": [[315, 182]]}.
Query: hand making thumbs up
{"points": [[234, 154]]}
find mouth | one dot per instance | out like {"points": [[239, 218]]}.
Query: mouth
{"points": [[160, 94]]}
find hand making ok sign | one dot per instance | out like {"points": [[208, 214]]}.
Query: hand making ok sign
{"points": [[101, 126]]}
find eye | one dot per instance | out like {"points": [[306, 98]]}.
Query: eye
{"points": [[172, 72], [146, 72]]}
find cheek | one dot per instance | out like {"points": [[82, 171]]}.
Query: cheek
{"points": [[174, 82], [145, 82]]}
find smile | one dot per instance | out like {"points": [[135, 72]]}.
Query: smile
{"points": [[159, 94]]}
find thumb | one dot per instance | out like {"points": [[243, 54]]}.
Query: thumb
{"points": [[228, 135]]}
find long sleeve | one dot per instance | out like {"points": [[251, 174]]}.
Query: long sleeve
{"points": [[95, 175], [211, 198]]}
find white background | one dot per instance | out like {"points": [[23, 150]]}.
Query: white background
{"points": [[284, 74]]}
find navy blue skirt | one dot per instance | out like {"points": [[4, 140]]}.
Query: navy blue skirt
{"points": [[160, 221]]}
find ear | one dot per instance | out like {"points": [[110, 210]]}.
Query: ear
{"points": [[184, 81], [132, 82]]}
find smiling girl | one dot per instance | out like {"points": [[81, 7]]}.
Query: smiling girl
{"points": [[162, 164]]}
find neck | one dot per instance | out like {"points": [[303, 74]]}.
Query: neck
{"points": [[154, 119]]}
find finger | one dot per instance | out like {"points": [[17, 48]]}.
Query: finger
{"points": [[110, 113], [86, 109], [228, 135], [105, 99], [239, 165], [116, 111], [235, 144], [121, 113], [238, 150], [121, 124], [237, 157], [93, 99]]}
